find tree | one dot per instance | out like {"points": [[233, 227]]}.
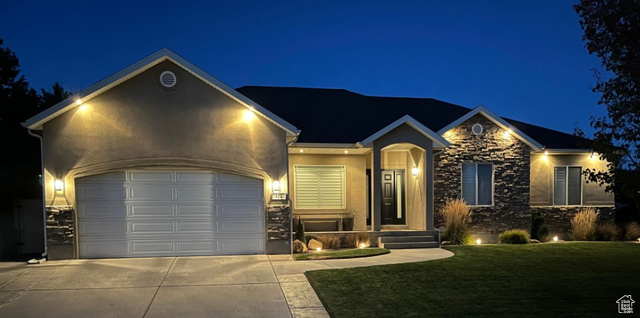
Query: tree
{"points": [[612, 32]]}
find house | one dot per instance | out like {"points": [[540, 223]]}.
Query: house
{"points": [[163, 159]]}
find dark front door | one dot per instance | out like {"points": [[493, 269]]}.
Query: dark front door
{"points": [[393, 197]]}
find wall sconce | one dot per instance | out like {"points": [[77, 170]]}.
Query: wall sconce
{"points": [[275, 186], [58, 185], [546, 153], [415, 171]]}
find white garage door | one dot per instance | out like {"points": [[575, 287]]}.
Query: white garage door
{"points": [[137, 213]]}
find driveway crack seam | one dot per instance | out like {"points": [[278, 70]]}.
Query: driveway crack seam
{"points": [[159, 285]]}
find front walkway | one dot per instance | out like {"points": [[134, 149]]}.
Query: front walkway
{"points": [[222, 286]]}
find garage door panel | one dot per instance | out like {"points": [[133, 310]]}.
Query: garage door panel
{"points": [[239, 192], [150, 176], [195, 210], [235, 226], [97, 192], [102, 210], [195, 177], [169, 212], [151, 247], [196, 192], [151, 192], [148, 210], [238, 209], [147, 227], [102, 227]]}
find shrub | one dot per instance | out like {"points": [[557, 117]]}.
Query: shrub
{"points": [[456, 215], [329, 241], [539, 227], [300, 232], [606, 232], [583, 225], [355, 239], [514, 237], [632, 231]]}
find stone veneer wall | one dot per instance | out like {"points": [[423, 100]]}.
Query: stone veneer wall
{"points": [[559, 218], [278, 222], [511, 163], [60, 225]]}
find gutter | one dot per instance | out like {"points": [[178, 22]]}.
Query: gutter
{"points": [[44, 208]]}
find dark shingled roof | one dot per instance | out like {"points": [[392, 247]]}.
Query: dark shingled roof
{"points": [[341, 116]]}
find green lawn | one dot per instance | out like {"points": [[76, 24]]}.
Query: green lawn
{"points": [[534, 280], [356, 252]]}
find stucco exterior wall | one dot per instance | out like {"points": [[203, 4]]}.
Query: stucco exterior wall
{"points": [[510, 158], [141, 123], [356, 186], [542, 170]]}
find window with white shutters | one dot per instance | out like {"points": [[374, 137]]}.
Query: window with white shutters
{"points": [[567, 185], [319, 187]]}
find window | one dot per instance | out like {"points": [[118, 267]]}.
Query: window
{"points": [[319, 187], [567, 185], [477, 183]]}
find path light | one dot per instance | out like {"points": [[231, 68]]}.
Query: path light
{"points": [[319, 249], [555, 238], [478, 241], [362, 245]]}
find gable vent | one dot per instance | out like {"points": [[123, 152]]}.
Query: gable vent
{"points": [[168, 79], [477, 129]]}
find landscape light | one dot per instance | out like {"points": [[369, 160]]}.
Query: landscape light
{"points": [[362, 245], [555, 238], [319, 249], [478, 241]]}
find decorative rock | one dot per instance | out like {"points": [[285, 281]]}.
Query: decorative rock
{"points": [[299, 247], [314, 244], [534, 241]]}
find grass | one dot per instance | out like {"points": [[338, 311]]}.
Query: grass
{"points": [[357, 252], [533, 280]]}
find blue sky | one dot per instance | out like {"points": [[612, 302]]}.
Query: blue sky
{"points": [[522, 60]]}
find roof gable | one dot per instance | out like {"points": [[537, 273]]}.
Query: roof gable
{"points": [[496, 120], [438, 141], [106, 84]]}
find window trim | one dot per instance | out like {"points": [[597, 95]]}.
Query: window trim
{"points": [[343, 187], [493, 183], [566, 187]]}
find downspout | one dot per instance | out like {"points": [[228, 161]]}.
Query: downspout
{"points": [[44, 209], [433, 190], [289, 192]]}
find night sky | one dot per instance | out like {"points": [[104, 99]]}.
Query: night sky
{"points": [[522, 60]]}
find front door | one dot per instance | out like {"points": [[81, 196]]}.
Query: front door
{"points": [[393, 210]]}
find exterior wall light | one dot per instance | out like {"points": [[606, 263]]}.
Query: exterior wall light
{"points": [[478, 241], [593, 156], [78, 102], [301, 150], [58, 185], [415, 171], [275, 186], [346, 151], [546, 153], [249, 115]]}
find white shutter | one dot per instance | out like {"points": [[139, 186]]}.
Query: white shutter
{"points": [[319, 187]]}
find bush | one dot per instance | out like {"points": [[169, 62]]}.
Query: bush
{"points": [[456, 215], [583, 225], [514, 237], [329, 241], [356, 239], [632, 231], [606, 232], [539, 227], [300, 232]]}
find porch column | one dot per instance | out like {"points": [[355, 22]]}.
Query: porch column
{"points": [[376, 165], [428, 180]]}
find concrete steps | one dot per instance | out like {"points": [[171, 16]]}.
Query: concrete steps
{"points": [[409, 239]]}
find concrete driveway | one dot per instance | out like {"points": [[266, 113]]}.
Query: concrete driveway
{"points": [[213, 286]]}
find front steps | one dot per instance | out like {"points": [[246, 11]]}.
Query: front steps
{"points": [[409, 239]]}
